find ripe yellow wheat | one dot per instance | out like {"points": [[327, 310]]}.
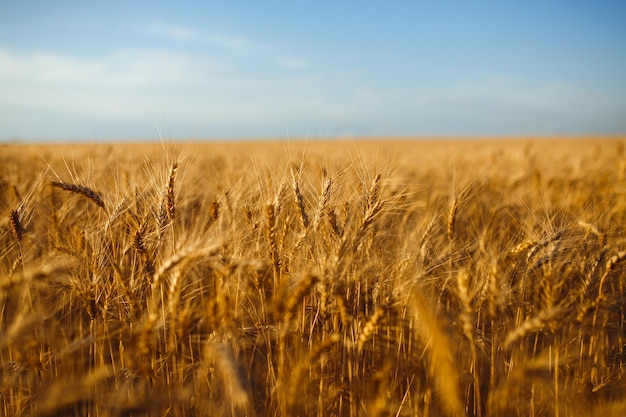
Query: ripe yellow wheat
{"points": [[353, 282]]}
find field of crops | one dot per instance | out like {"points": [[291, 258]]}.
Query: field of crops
{"points": [[366, 278]]}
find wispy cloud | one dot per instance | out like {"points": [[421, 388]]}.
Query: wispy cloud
{"points": [[44, 66], [188, 34], [293, 63], [193, 91], [122, 68]]}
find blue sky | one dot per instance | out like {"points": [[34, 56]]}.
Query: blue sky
{"points": [[201, 69]]}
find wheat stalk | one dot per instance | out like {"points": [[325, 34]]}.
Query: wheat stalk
{"points": [[441, 365], [270, 234]]}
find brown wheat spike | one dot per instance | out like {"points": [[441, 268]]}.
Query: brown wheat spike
{"points": [[270, 233], [534, 250], [139, 240], [464, 296], [368, 221], [169, 196], [495, 299], [185, 254], [304, 218], [121, 208], [370, 328], [174, 291], [82, 190], [373, 192], [592, 229], [342, 304], [522, 247], [290, 298], [328, 185], [610, 264], [452, 218], [422, 243], [17, 230], [531, 325], [18, 260], [35, 274], [270, 219], [215, 210], [374, 207], [594, 268], [326, 210], [324, 201], [248, 216], [334, 222], [179, 258]]}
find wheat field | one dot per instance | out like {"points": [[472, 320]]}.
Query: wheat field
{"points": [[365, 278]]}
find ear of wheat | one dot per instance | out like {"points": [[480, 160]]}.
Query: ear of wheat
{"points": [[81, 190], [17, 230]]}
